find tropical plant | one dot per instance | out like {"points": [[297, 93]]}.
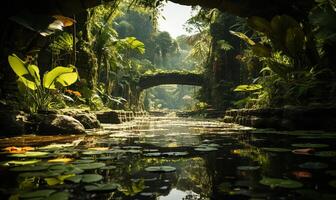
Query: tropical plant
{"points": [[37, 91], [289, 58]]}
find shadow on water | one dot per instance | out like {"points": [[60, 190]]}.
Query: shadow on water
{"points": [[172, 159]]}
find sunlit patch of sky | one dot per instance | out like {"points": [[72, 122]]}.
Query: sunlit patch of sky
{"points": [[175, 16]]}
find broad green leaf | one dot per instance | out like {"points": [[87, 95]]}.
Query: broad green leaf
{"points": [[35, 73], [101, 187], [136, 44], [261, 50], [283, 183], [245, 88], [295, 40], [260, 24], [17, 65], [160, 169], [62, 75], [37, 194], [243, 37]]}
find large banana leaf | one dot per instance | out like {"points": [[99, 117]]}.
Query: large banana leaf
{"points": [[64, 76], [18, 66], [29, 76], [135, 44]]}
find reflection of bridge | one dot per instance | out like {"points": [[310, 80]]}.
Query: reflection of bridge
{"points": [[148, 81]]}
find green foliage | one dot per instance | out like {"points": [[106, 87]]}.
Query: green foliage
{"points": [[37, 96]]}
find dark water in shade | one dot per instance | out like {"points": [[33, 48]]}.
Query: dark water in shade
{"points": [[213, 160]]}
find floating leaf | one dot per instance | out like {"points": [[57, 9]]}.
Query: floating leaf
{"points": [[88, 166], [60, 160], [108, 167], [18, 149], [85, 178], [152, 154], [161, 169], [331, 172], [21, 162], [59, 196], [310, 145], [101, 187], [326, 153], [332, 183], [177, 153], [37, 194], [313, 165], [276, 149], [205, 149], [283, 183], [29, 154], [28, 168], [248, 168]]}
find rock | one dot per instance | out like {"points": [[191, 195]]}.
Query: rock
{"points": [[54, 124], [13, 122], [89, 120]]}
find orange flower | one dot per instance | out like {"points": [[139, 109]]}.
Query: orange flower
{"points": [[76, 93]]}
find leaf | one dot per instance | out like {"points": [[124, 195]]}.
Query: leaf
{"points": [[90, 178], [261, 50], [21, 162], [29, 168], [160, 169], [29, 154], [273, 149], [295, 40], [135, 44], [247, 88], [313, 165], [283, 183], [62, 75], [101, 187], [17, 65], [37, 194], [59, 196], [243, 37], [88, 166], [310, 145], [35, 72], [60, 160], [260, 24]]}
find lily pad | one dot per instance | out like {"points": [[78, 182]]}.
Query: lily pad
{"points": [[332, 183], [248, 168], [331, 172], [152, 154], [205, 149], [160, 169], [108, 167], [326, 153], [59, 196], [21, 162], [101, 187], [283, 183], [29, 154], [92, 153], [85, 178], [271, 149], [88, 166], [310, 145], [83, 161], [313, 165], [37, 194], [29, 168], [60, 160], [177, 153]]}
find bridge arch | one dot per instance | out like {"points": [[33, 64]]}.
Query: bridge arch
{"points": [[148, 81]]}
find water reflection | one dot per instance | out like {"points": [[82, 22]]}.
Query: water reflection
{"points": [[192, 159]]}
